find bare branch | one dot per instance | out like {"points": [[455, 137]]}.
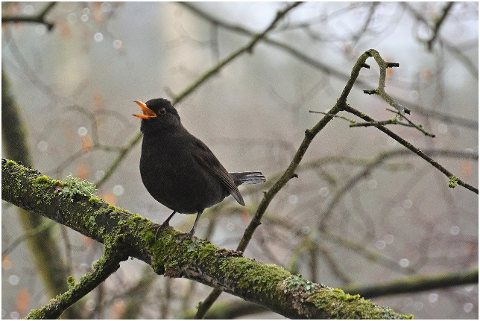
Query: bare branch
{"points": [[417, 283], [40, 18], [380, 90], [453, 180], [396, 121], [438, 23], [247, 48]]}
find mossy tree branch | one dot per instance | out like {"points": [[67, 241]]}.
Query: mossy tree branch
{"points": [[405, 285], [71, 204]]}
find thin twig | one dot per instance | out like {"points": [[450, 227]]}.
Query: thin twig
{"points": [[247, 48], [469, 64], [346, 187], [121, 155], [24, 236], [453, 180], [438, 24], [380, 90], [417, 283], [351, 121], [395, 121], [411, 123], [40, 18]]}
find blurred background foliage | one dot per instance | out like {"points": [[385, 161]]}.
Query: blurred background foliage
{"points": [[75, 72]]}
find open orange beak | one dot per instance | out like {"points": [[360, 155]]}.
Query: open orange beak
{"points": [[147, 112]]}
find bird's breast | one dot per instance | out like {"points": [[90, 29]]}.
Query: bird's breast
{"points": [[174, 178]]}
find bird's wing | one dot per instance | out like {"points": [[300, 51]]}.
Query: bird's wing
{"points": [[204, 156]]}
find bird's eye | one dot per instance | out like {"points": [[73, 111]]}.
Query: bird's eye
{"points": [[162, 111]]}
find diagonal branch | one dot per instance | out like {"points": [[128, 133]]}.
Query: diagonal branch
{"points": [[453, 180], [395, 121], [247, 48], [418, 283], [309, 136], [438, 23], [103, 268], [40, 18], [212, 297]]}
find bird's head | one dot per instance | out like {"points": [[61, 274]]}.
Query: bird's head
{"points": [[158, 113]]}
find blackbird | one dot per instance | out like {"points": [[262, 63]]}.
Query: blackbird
{"points": [[178, 169]]}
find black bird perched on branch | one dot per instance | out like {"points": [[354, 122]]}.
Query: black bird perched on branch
{"points": [[178, 169]]}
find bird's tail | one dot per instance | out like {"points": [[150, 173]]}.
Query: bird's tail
{"points": [[248, 178]]}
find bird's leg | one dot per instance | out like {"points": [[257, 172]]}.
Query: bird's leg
{"points": [[164, 224], [192, 231]]}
